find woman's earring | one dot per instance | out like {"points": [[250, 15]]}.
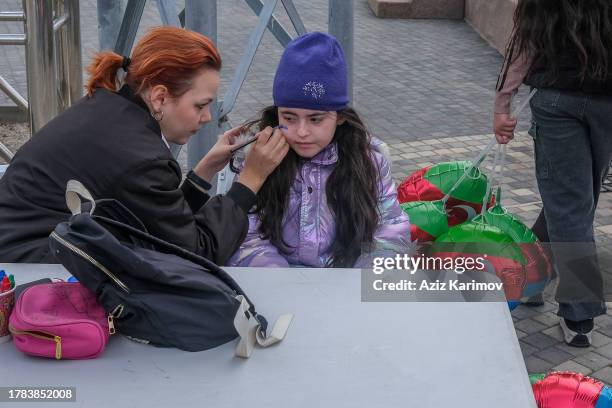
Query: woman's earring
{"points": [[158, 116]]}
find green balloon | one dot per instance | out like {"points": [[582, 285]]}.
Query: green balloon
{"points": [[510, 224], [444, 175], [429, 216], [479, 237], [534, 378]]}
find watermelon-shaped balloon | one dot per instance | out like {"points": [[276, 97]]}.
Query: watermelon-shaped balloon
{"points": [[538, 267], [477, 239], [570, 390], [434, 182], [427, 220]]}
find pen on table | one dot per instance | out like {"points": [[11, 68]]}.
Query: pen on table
{"points": [[255, 138], [12, 280]]}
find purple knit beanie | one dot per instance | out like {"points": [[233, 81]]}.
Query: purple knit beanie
{"points": [[312, 74]]}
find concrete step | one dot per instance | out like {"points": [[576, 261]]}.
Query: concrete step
{"points": [[444, 9]]}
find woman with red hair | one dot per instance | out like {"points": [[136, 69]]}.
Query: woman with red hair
{"points": [[116, 142]]}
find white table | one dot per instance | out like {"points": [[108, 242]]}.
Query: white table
{"points": [[339, 352]]}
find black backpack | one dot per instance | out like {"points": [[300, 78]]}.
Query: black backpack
{"points": [[154, 291]]}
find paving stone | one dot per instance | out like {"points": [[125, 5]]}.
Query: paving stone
{"points": [[527, 350], [523, 192], [536, 365], [530, 326], [603, 321], [606, 229], [605, 351], [605, 375], [553, 355], [599, 340], [520, 334], [554, 332], [548, 319], [593, 360], [574, 367], [575, 351], [524, 312], [539, 340]]}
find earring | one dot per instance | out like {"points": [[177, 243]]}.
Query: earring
{"points": [[158, 116]]}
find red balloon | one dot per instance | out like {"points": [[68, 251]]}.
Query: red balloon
{"points": [[417, 188], [567, 390]]}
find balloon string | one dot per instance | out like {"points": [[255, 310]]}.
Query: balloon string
{"points": [[490, 181], [474, 163], [481, 156], [523, 105]]}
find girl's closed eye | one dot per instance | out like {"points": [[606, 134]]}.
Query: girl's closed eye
{"points": [[201, 106]]}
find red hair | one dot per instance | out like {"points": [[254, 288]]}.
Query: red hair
{"points": [[166, 56]]}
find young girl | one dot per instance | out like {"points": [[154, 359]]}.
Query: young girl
{"points": [[332, 201], [564, 49]]}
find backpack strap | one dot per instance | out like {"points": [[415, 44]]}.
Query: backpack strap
{"points": [[74, 191], [250, 332]]}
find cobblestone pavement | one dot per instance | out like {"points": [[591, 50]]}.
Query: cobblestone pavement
{"points": [[426, 88]]}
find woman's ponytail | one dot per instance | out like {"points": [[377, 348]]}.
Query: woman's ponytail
{"points": [[103, 71], [168, 56]]}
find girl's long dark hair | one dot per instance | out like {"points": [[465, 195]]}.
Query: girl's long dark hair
{"points": [[352, 190], [546, 29]]}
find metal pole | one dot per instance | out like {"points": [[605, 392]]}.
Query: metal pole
{"points": [[129, 26], [71, 49], [275, 27], [59, 22], [294, 16], [6, 154], [12, 39], [167, 12], [201, 16], [13, 94], [11, 16], [110, 13], [247, 58], [341, 22], [40, 67], [61, 61]]}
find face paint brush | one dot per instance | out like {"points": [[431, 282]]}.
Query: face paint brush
{"points": [[248, 142]]}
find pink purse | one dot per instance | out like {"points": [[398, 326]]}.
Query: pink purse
{"points": [[60, 320]]}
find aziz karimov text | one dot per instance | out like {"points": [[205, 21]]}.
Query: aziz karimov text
{"points": [[437, 286]]}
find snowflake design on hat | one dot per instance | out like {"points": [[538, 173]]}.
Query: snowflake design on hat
{"points": [[315, 89]]}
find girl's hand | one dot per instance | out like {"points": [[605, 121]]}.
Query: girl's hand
{"points": [[267, 153], [218, 156], [503, 126]]}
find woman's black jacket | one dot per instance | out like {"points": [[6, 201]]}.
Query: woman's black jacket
{"points": [[111, 144]]}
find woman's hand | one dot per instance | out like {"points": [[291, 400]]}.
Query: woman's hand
{"points": [[267, 153], [218, 156], [503, 126]]}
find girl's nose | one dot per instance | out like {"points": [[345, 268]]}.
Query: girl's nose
{"points": [[302, 130]]}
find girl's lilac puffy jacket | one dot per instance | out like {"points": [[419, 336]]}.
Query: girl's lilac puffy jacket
{"points": [[308, 225]]}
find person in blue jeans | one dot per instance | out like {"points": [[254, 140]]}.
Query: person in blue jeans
{"points": [[564, 49]]}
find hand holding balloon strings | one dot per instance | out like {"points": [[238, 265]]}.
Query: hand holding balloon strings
{"points": [[483, 153]]}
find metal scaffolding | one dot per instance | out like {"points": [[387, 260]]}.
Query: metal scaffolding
{"points": [[52, 40], [53, 52]]}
